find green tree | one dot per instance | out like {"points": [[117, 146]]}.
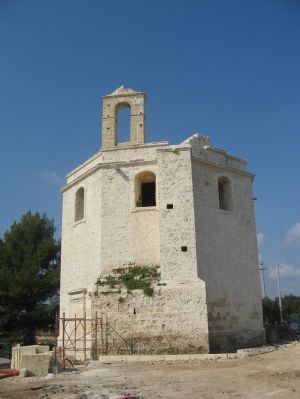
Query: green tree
{"points": [[29, 277], [290, 309], [271, 312]]}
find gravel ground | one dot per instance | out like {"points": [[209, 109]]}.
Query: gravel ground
{"points": [[271, 375]]}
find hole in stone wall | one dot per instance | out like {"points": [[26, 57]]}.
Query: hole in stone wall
{"points": [[169, 206], [225, 198], [184, 248]]}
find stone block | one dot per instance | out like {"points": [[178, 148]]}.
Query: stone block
{"points": [[36, 365], [34, 358]]}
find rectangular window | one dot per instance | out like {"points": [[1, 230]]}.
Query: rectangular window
{"points": [[148, 194]]}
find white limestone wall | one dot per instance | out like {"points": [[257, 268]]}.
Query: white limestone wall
{"points": [[81, 241], [227, 257], [114, 232], [129, 234], [177, 225], [173, 320]]}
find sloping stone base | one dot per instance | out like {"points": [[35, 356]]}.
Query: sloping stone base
{"points": [[172, 321], [231, 341]]}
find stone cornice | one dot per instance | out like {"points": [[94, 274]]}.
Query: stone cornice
{"points": [[119, 147], [175, 149], [105, 165], [220, 151], [224, 167], [134, 146], [89, 160]]}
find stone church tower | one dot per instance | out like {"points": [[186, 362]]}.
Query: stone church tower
{"points": [[187, 208]]}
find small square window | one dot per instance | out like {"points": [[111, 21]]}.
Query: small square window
{"points": [[184, 248], [169, 206]]}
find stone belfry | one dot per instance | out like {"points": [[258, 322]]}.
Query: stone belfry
{"points": [[123, 98]]}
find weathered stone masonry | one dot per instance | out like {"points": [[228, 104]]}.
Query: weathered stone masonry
{"points": [[187, 208]]}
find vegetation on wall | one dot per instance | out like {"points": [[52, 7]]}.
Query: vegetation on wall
{"points": [[133, 277], [29, 278]]}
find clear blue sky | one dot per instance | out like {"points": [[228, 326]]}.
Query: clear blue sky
{"points": [[228, 69]]}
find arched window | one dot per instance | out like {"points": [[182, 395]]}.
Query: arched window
{"points": [[123, 116], [225, 198], [79, 204], [145, 189]]}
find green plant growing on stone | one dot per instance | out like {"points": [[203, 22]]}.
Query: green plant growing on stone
{"points": [[132, 277], [148, 291], [109, 280]]}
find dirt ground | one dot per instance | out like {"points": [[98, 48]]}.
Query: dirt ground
{"points": [[271, 375]]}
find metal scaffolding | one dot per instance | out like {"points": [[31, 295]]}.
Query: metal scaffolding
{"points": [[85, 338]]}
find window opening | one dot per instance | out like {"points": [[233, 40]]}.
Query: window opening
{"points": [[225, 200], [145, 190], [123, 113], [79, 204], [148, 194], [184, 249], [169, 206]]}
